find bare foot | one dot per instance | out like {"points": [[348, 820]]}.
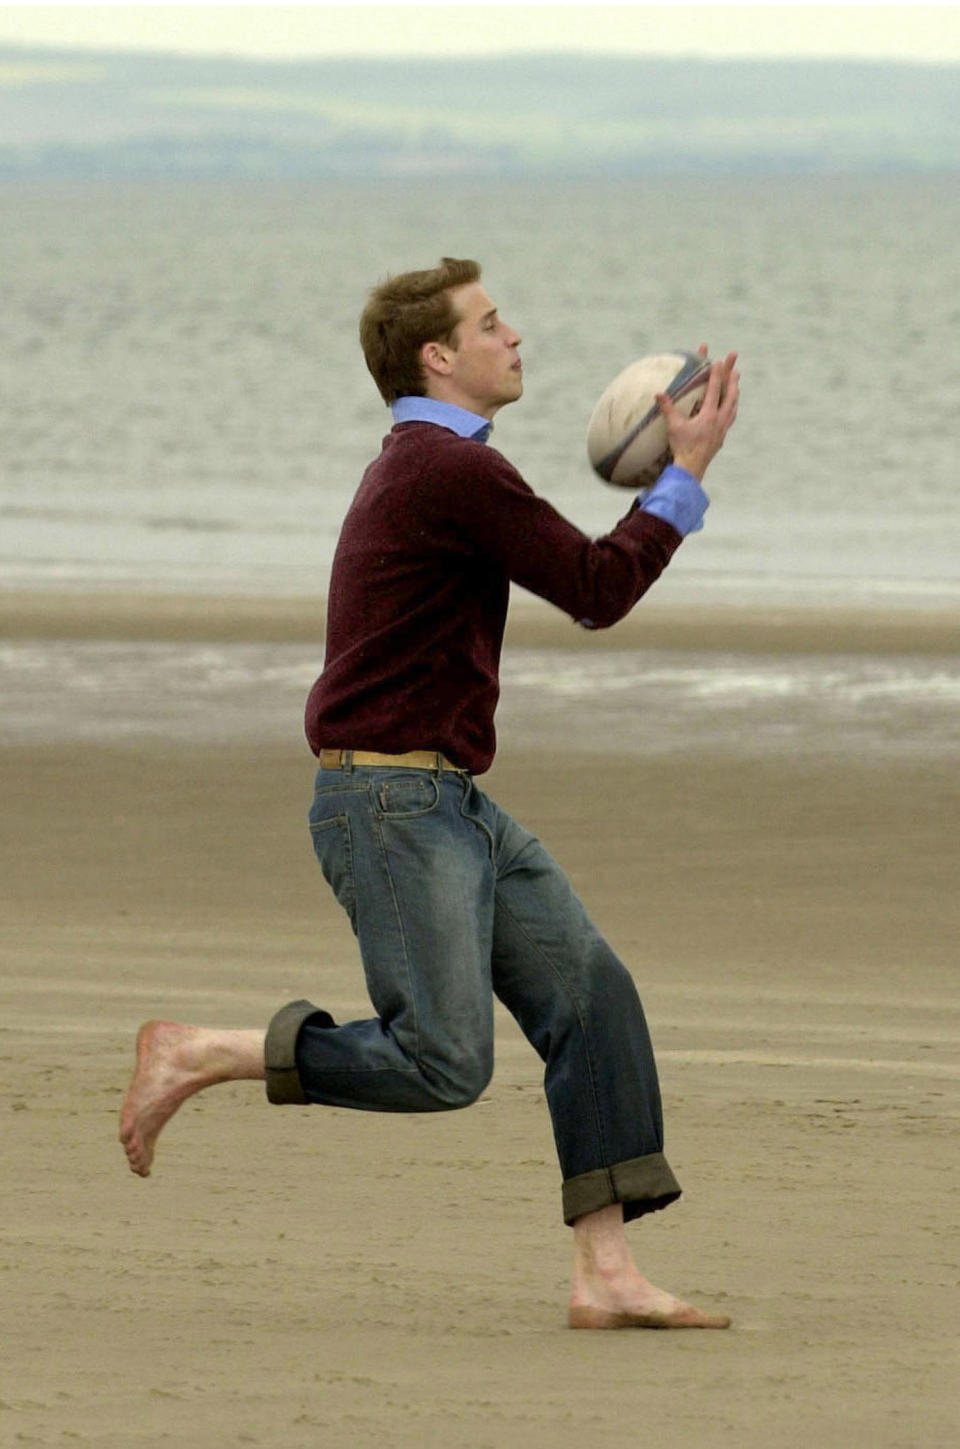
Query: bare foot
{"points": [[166, 1074], [638, 1305], [609, 1291]]}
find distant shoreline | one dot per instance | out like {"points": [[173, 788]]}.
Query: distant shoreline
{"points": [[122, 114]]}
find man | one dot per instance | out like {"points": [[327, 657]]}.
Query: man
{"points": [[452, 902]]}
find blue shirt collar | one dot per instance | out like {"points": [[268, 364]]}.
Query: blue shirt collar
{"points": [[446, 415]]}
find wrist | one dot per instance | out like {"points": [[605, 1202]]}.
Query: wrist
{"points": [[691, 462]]}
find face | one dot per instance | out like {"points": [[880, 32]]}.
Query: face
{"points": [[480, 368]]}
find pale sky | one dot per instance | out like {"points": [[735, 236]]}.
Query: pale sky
{"points": [[897, 32]]}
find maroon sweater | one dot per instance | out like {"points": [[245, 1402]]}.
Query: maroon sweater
{"points": [[418, 593]]}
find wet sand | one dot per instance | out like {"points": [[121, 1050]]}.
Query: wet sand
{"points": [[322, 1278]]}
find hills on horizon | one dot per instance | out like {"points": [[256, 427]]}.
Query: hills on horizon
{"points": [[112, 115]]}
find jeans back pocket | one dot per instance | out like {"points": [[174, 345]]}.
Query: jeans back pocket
{"points": [[333, 849]]}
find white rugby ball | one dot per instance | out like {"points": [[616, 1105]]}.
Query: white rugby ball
{"points": [[627, 434]]}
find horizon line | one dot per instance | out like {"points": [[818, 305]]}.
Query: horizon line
{"points": [[86, 50]]}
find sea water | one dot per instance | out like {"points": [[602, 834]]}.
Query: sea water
{"points": [[183, 403], [184, 406], [638, 701]]}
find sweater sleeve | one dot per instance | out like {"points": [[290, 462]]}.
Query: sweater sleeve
{"points": [[595, 581]]}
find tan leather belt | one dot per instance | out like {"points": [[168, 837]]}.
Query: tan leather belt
{"points": [[412, 760]]}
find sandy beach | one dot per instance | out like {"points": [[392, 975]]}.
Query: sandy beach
{"points": [[308, 1277]]}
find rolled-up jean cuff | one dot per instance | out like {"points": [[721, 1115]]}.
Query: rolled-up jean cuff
{"points": [[642, 1184], [280, 1050]]}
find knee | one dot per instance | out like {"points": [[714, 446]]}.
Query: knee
{"points": [[457, 1082]]}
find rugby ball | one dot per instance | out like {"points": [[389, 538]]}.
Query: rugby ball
{"points": [[627, 433]]}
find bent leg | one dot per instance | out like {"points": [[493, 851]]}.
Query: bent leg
{"points": [[416, 880]]}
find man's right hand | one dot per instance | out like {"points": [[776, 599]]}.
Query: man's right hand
{"points": [[695, 441]]}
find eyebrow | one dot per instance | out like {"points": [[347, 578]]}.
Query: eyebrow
{"points": [[491, 313]]}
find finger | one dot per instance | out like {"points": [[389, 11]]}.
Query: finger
{"points": [[714, 386], [666, 405], [726, 369], [731, 395]]}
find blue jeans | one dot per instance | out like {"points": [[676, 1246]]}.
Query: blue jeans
{"points": [[452, 902]]}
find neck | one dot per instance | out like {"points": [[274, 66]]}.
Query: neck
{"points": [[469, 404]]}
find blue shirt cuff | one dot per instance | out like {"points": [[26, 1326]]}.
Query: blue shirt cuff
{"points": [[678, 499]]}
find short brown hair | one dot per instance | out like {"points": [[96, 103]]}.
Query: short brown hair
{"points": [[402, 314]]}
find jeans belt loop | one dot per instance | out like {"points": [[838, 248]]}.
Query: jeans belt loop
{"points": [[346, 759]]}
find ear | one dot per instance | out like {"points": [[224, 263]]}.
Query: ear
{"points": [[435, 357]]}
